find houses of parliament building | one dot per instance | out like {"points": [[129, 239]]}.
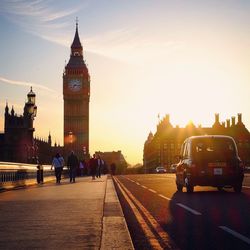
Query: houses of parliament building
{"points": [[161, 148], [18, 144]]}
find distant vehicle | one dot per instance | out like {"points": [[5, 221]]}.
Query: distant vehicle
{"points": [[247, 168], [160, 170], [210, 160], [172, 168]]}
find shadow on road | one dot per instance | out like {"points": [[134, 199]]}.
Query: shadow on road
{"points": [[201, 231]]}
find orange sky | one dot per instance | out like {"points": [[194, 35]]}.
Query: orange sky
{"points": [[189, 59]]}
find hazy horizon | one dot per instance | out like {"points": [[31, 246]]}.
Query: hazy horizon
{"points": [[188, 59]]}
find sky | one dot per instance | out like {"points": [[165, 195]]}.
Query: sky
{"points": [[186, 58]]}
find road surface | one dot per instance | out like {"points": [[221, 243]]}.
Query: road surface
{"points": [[160, 217]]}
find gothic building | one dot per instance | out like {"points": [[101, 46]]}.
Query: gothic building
{"points": [[17, 143], [76, 93], [161, 148], [115, 157]]}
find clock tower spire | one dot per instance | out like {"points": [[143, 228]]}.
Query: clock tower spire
{"points": [[76, 46], [76, 93]]}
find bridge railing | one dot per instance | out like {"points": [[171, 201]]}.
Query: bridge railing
{"points": [[20, 172]]}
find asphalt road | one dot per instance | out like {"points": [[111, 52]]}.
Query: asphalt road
{"points": [[159, 217]]}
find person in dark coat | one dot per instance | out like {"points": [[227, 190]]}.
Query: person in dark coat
{"points": [[82, 167], [100, 164], [93, 166], [72, 164]]}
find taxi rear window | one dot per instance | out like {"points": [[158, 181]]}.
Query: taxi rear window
{"points": [[219, 148]]}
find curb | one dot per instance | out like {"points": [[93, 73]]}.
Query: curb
{"points": [[115, 234]]}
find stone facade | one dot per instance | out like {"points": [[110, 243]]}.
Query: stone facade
{"points": [[163, 147], [17, 143], [115, 157], [76, 94]]}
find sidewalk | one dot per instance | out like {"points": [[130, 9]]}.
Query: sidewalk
{"points": [[81, 215]]}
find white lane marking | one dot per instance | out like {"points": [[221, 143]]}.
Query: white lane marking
{"points": [[189, 209], [235, 234], [130, 179], [154, 241], [164, 197], [152, 190], [245, 186], [137, 183]]}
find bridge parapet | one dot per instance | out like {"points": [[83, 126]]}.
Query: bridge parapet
{"points": [[20, 174]]}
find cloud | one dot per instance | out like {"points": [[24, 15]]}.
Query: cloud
{"points": [[53, 22], [132, 46], [42, 18], [40, 10], [21, 83]]}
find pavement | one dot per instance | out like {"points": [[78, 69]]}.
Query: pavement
{"points": [[82, 215]]}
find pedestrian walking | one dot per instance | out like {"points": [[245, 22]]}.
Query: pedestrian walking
{"points": [[100, 164], [93, 166], [82, 167], [72, 164], [58, 163], [39, 172]]}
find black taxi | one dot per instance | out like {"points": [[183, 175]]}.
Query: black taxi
{"points": [[209, 160]]}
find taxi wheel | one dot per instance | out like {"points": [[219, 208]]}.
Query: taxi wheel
{"points": [[237, 187]]}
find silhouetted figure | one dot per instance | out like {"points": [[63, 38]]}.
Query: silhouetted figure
{"points": [[93, 166], [82, 167], [58, 163], [99, 166], [113, 168], [72, 164], [39, 172]]}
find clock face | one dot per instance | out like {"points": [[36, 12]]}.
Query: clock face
{"points": [[75, 84]]}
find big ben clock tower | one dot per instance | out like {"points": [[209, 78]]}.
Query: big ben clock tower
{"points": [[76, 92]]}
